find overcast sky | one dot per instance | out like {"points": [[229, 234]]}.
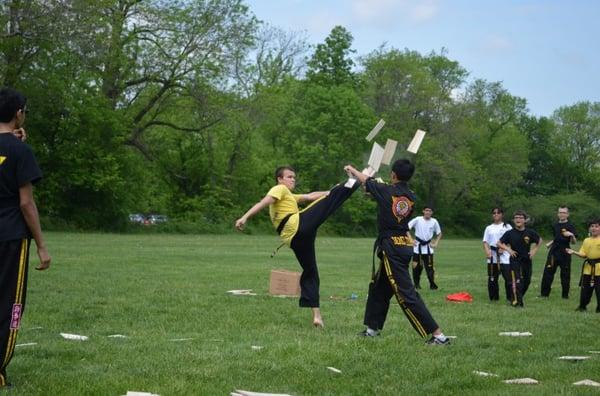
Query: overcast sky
{"points": [[546, 51]]}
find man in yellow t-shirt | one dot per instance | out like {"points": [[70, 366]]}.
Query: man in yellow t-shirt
{"points": [[590, 274], [298, 228]]}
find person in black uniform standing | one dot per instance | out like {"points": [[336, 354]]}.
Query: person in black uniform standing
{"points": [[564, 235], [517, 242], [394, 247], [19, 221]]}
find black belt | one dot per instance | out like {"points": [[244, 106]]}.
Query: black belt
{"points": [[423, 243], [283, 223]]}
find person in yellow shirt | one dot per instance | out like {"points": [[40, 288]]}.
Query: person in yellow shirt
{"points": [[590, 274], [298, 228]]}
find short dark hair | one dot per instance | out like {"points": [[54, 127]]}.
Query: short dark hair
{"points": [[403, 169], [498, 209], [279, 171], [428, 207], [11, 102], [594, 221], [563, 207], [520, 213]]}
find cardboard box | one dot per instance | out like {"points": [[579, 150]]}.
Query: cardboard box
{"points": [[284, 283]]}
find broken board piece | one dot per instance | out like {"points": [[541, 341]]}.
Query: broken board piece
{"points": [[415, 143], [484, 374], [74, 337], [388, 152], [375, 130], [375, 157], [574, 358], [248, 393], [515, 334], [526, 381], [587, 382], [338, 371]]}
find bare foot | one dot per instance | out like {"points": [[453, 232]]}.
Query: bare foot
{"points": [[318, 323]]}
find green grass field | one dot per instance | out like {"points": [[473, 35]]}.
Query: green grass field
{"points": [[157, 288]]}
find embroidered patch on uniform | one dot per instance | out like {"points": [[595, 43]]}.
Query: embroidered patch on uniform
{"points": [[2, 159], [15, 320], [401, 207], [526, 238]]}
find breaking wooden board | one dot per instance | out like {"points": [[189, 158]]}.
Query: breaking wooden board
{"points": [[375, 157], [415, 143], [375, 130], [388, 151]]}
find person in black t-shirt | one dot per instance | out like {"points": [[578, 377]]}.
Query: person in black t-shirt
{"points": [[564, 235], [517, 242], [394, 247], [19, 221]]}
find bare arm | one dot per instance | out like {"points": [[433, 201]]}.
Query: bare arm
{"points": [[260, 205], [436, 240], [32, 218], [487, 250], [575, 252], [507, 248], [313, 196], [361, 177], [535, 248]]}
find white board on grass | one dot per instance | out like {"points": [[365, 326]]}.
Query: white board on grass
{"points": [[415, 143], [484, 374], [248, 393], [375, 130], [587, 382], [76, 337], [338, 371], [388, 152], [573, 358], [525, 381], [515, 334]]}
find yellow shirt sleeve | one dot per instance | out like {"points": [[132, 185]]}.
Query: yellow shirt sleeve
{"points": [[298, 197], [277, 192]]}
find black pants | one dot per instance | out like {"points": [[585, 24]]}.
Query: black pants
{"points": [[554, 260], [303, 243], [14, 260], [494, 272], [589, 284], [393, 279], [520, 278], [424, 261]]}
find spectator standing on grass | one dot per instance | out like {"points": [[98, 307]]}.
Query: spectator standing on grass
{"points": [[498, 260], [517, 242], [427, 236], [563, 236], [19, 221], [590, 273]]}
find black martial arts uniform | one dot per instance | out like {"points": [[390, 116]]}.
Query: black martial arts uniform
{"points": [[520, 267], [558, 257]]}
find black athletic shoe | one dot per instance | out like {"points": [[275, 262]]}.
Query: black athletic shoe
{"points": [[433, 287], [365, 333], [436, 341]]}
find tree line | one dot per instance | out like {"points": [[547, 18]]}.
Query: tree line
{"points": [[185, 107]]}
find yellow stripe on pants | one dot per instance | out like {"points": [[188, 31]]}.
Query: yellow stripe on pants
{"points": [[409, 314], [12, 339]]}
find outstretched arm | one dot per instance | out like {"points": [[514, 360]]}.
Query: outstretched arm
{"points": [[575, 252], [361, 177], [260, 205], [313, 196]]}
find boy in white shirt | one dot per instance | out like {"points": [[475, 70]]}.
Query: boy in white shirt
{"points": [[498, 260], [426, 228]]}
